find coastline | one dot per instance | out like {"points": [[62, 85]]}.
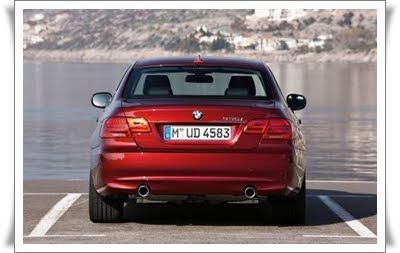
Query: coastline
{"points": [[119, 56]]}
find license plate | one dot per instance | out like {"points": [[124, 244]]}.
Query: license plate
{"points": [[197, 133]]}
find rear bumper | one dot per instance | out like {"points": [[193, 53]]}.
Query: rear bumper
{"points": [[196, 173]]}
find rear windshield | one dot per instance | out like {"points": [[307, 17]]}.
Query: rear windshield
{"points": [[196, 82]]}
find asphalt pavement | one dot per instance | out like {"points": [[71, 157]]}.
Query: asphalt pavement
{"points": [[56, 211]]}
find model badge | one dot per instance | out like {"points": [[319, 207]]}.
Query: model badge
{"points": [[234, 119], [197, 115]]}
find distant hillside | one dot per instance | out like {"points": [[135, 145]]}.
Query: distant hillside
{"points": [[120, 29], [117, 34]]}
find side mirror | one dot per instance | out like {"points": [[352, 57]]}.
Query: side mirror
{"points": [[296, 101], [101, 99]]}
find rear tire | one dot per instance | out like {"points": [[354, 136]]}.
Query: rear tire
{"points": [[290, 210], [103, 210]]}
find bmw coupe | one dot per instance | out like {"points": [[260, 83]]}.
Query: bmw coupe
{"points": [[192, 128]]}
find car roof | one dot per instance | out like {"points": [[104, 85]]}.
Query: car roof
{"points": [[206, 61]]}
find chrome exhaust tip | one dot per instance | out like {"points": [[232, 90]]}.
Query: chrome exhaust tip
{"points": [[143, 191], [249, 192]]}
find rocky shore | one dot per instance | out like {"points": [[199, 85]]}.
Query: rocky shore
{"points": [[116, 56]]}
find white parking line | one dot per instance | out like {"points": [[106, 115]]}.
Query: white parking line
{"points": [[53, 193], [342, 181], [41, 236], [357, 196], [337, 236], [353, 223], [54, 214]]}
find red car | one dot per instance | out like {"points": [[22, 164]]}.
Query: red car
{"points": [[192, 128]]}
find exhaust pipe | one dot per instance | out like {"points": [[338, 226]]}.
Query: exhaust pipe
{"points": [[143, 191], [249, 192]]}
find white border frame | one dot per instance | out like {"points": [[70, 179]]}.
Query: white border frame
{"points": [[381, 183]]}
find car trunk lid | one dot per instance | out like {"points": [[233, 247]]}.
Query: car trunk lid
{"points": [[233, 113]]}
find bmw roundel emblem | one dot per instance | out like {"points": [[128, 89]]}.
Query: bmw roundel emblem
{"points": [[197, 115]]}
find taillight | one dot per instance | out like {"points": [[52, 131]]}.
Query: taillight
{"points": [[115, 127], [139, 125], [278, 129], [120, 127], [256, 126], [274, 128]]}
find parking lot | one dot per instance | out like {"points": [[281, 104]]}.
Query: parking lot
{"points": [[56, 211]]}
